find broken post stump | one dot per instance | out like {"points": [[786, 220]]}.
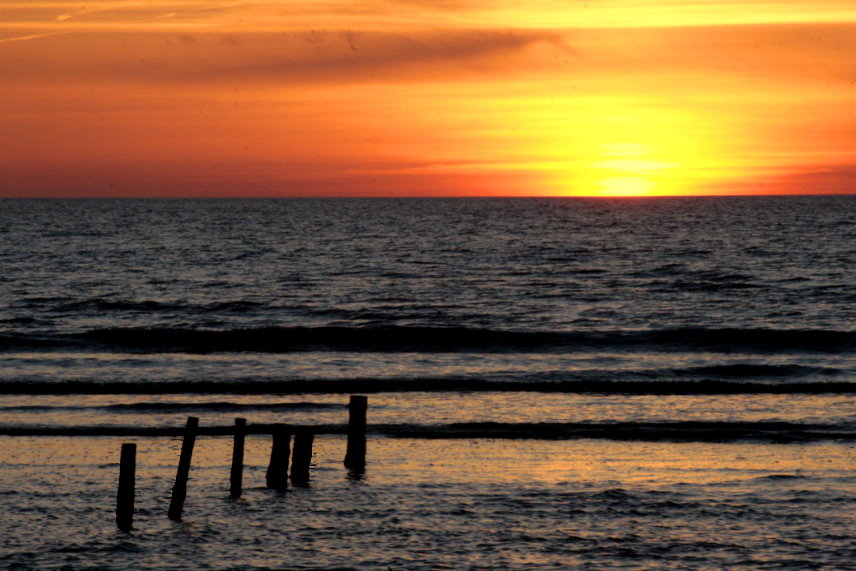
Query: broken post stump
{"points": [[236, 478], [125, 495], [277, 472], [355, 456], [179, 490], [302, 457]]}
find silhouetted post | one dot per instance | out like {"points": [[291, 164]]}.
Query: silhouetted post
{"points": [[355, 457], [302, 457], [125, 495], [237, 476], [277, 472], [179, 490]]}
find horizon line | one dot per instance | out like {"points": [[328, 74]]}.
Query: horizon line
{"points": [[428, 196]]}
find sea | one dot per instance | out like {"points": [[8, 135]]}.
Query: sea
{"points": [[552, 383]]}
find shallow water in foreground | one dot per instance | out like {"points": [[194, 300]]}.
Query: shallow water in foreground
{"points": [[428, 504]]}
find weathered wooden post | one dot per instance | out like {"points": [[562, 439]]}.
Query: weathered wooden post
{"points": [[302, 457], [277, 472], [355, 456], [125, 495], [179, 490], [236, 478]]}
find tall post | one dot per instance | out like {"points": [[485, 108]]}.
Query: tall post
{"points": [[125, 495], [277, 472], [236, 478], [355, 457], [179, 490], [302, 457]]}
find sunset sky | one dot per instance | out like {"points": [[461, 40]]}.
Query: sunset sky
{"points": [[413, 98]]}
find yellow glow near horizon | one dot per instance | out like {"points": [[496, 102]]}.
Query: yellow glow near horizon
{"points": [[626, 186], [629, 170], [637, 150]]}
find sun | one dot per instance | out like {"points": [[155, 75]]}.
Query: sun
{"points": [[631, 149], [629, 169], [625, 186]]}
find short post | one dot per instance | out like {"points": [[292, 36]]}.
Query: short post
{"points": [[355, 456], [302, 457], [277, 472], [236, 478], [125, 495], [179, 490]]}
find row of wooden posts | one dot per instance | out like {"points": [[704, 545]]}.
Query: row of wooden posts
{"points": [[277, 473]]}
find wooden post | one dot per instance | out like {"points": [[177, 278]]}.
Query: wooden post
{"points": [[277, 472], [355, 456], [302, 457], [237, 475], [125, 495], [179, 490]]}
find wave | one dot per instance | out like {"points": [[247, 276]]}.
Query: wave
{"points": [[141, 407], [751, 370], [23, 320], [146, 306], [433, 385], [682, 431], [686, 431], [438, 339], [220, 406], [99, 304]]}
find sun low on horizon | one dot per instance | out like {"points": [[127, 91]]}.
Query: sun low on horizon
{"points": [[402, 98]]}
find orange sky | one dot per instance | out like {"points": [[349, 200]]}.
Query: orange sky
{"points": [[412, 97]]}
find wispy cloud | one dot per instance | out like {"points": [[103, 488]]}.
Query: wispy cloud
{"points": [[297, 57], [30, 37]]}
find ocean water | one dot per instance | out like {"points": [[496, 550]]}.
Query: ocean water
{"points": [[553, 383]]}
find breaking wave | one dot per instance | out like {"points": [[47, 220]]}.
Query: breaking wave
{"points": [[437, 339]]}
